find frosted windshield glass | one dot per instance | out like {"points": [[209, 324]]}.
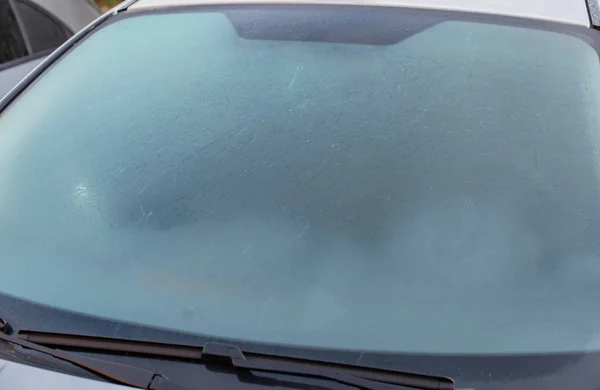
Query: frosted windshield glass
{"points": [[312, 193]]}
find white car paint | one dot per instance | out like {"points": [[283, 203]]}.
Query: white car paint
{"points": [[564, 11], [16, 376]]}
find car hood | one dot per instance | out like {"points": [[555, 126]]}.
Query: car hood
{"points": [[15, 376]]}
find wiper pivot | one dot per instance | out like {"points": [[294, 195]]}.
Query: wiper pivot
{"points": [[115, 372]]}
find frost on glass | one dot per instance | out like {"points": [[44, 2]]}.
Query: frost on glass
{"points": [[312, 193]]}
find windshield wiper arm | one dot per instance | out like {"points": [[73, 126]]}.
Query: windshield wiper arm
{"points": [[115, 372], [230, 355]]}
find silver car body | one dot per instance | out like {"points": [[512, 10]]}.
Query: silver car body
{"points": [[564, 11], [14, 376], [75, 14]]}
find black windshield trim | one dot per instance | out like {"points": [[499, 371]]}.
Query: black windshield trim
{"points": [[593, 7], [482, 367]]}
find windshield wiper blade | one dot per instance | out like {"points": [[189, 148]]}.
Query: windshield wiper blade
{"points": [[362, 377], [114, 372]]}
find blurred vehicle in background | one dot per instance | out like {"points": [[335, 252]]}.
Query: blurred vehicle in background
{"points": [[32, 29]]}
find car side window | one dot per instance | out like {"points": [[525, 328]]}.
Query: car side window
{"points": [[41, 30], [28, 30], [12, 44]]}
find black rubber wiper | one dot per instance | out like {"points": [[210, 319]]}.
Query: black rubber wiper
{"points": [[366, 378], [118, 373]]}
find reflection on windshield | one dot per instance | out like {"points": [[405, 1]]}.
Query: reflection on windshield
{"points": [[435, 194]]}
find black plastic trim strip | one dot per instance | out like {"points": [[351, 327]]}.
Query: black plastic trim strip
{"points": [[594, 10]]}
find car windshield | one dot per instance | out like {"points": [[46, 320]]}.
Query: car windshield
{"points": [[344, 177]]}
